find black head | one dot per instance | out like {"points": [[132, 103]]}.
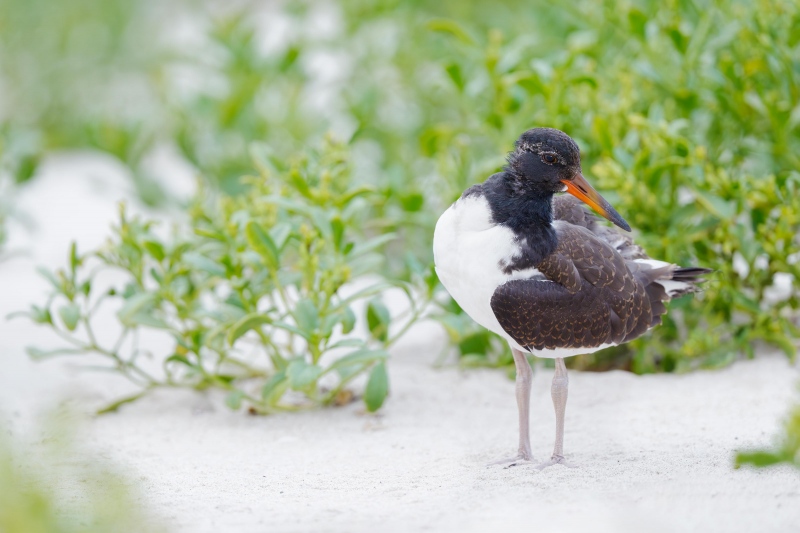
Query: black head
{"points": [[543, 159], [547, 161]]}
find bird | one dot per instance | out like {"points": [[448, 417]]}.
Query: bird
{"points": [[543, 272]]}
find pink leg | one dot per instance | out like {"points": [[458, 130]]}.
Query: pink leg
{"points": [[523, 393], [558, 391]]}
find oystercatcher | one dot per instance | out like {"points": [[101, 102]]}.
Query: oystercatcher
{"points": [[546, 274]]}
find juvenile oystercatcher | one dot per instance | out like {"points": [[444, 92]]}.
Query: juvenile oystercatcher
{"points": [[546, 274]]}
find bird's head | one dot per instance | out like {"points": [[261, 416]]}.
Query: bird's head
{"points": [[548, 161]]}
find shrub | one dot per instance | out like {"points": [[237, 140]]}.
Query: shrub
{"points": [[253, 292]]}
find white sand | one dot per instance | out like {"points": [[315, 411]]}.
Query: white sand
{"points": [[655, 452]]}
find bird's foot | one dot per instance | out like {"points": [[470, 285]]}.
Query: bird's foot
{"points": [[518, 460], [556, 460]]}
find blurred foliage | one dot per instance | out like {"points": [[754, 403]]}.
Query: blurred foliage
{"points": [[51, 488], [254, 296], [787, 451], [686, 111], [699, 153], [76, 74]]}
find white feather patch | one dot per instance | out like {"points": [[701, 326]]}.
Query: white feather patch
{"points": [[673, 288], [655, 263]]}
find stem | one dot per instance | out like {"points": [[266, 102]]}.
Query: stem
{"points": [[284, 299], [418, 312], [252, 372]]}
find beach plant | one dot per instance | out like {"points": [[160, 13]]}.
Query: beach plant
{"points": [[6, 192], [273, 296], [787, 450], [80, 74]]}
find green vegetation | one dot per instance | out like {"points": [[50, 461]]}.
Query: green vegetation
{"points": [[6, 190], [787, 451], [56, 489], [686, 112], [252, 295]]}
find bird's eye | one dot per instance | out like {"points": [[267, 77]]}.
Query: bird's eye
{"points": [[551, 159]]}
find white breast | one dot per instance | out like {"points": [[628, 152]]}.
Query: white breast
{"points": [[468, 249]]}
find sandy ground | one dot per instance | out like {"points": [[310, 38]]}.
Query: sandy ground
{"points": [[654, 452]]}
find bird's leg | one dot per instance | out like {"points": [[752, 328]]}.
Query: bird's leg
{"points": [[523, 393], [558, 391]]}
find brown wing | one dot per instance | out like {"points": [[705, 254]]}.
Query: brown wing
{"points": [[569, 209], [592, 298]]}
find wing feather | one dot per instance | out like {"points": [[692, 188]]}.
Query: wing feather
{"points": [[592, 298]]}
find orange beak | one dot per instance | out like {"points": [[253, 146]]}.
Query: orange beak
{"points": [[580, 189]]}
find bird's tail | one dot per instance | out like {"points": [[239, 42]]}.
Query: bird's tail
{"points": [[683, 280]]}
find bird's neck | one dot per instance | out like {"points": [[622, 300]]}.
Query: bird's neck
{"points": [[529, 214]]}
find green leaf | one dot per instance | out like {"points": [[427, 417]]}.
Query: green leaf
{"points": [[346, 343], [453, 28], [115, 405], [41, 315], [759, 459], [86, 287], [146, 318], [723, 209], [234, 399], [306, 315], [156, 249], [74, 258], [637, 21], [70, 314], [302, 376], [377, 387], [678, 39], [784, 342], [280, 234], [49, 277], [261, 242], [245, 324], [201, 262], [26, 168], [378, 320], [354, 193], [327, 325], [457, 77], [337, 228], [348, 320], [477, 343], [182, 359], [291, 329], [413, 202], [131, 313], [359, 357], [38, 354], [372, 244], [272, 386]]}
